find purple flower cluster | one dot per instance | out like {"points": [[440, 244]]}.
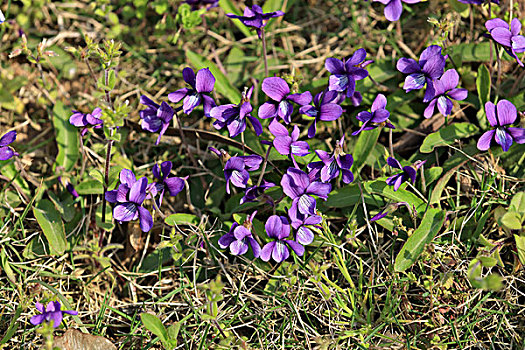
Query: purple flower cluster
{"points": [[508, 37], [7, 152], [86, 121], [52, 313], [441, 86], [501, 116], [130, 195], [255, 17]]}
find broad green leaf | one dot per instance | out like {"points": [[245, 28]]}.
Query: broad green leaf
{"points": [[518, 202], [66, 137], [475, 52], [433, 174], [182, 219], [401, 195], [447, 136], [363, 147], [520, 246], [229, 7], [345, 197], [89, 187], [511, 220], [222, 84], [155, 326], [483, 84], [424, 234], [51, 223]]}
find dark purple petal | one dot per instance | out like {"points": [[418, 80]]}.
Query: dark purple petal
{"points": [[518, 134], [330, 111], [429, 111], [280, 252], [226, 240], [125, 211], [78, 119], [267, 110], [345, 161], [301, 99], [380, 116], [503, 138], [319, 189], [393, 10], [358, 57], [394, 163], [252, 162], [137, 193], [434, 65], [145, 219], [408, 66], [178, 95], [256, 248], [450, 79], [236, 126], [276, 88], [502, 36], [207, 104], [411, 172], [224, 112], [174, 185], [414, 81], [127, 177], [190, 102], [334, 66], [6, 153], [257, 127], [507, 112], [204, 81], [8, 138], [111, 196], [347, 176], [189, 76], [296, 247], [266, 251]]}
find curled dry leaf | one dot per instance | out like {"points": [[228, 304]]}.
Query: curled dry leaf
{"points": [[76, 340]]}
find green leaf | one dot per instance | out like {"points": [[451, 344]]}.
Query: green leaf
{"points": [[425, 233], [66, 137], [89, 187], [222, 84], [511, 220], [112, 79], [475, 52], [363, 147], [483, 85], [433, 174], [229, 7], [155, 326], [518, 202], [401, 195], [447, 136], [51, 223], [520, 246], [182, 219], [13, 325]]}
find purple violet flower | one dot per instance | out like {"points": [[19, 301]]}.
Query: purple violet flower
{"points": [[278, 227], [52, 313], [85, 121], [332, 164], [378, 116], [252, 193], [300, 222], [234, 116], [409, 173], [346, 72], [281, 105], [7, 152], [325, 108], [130, 195], [240, 238], [288, 145], [155, 118], [445, 90], [200, 85], [511, 41], [394, 8], [500, 117], [255, 17], [236, 170], [430, 67], [297, 185], [173, 184]]}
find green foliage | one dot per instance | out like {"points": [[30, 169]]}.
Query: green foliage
{"points": [[229, 7], [423, 235], [448, 135], [189, 19], [67, 138], [483, 85], [168, 337], [363, 147], [50, 220]]}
